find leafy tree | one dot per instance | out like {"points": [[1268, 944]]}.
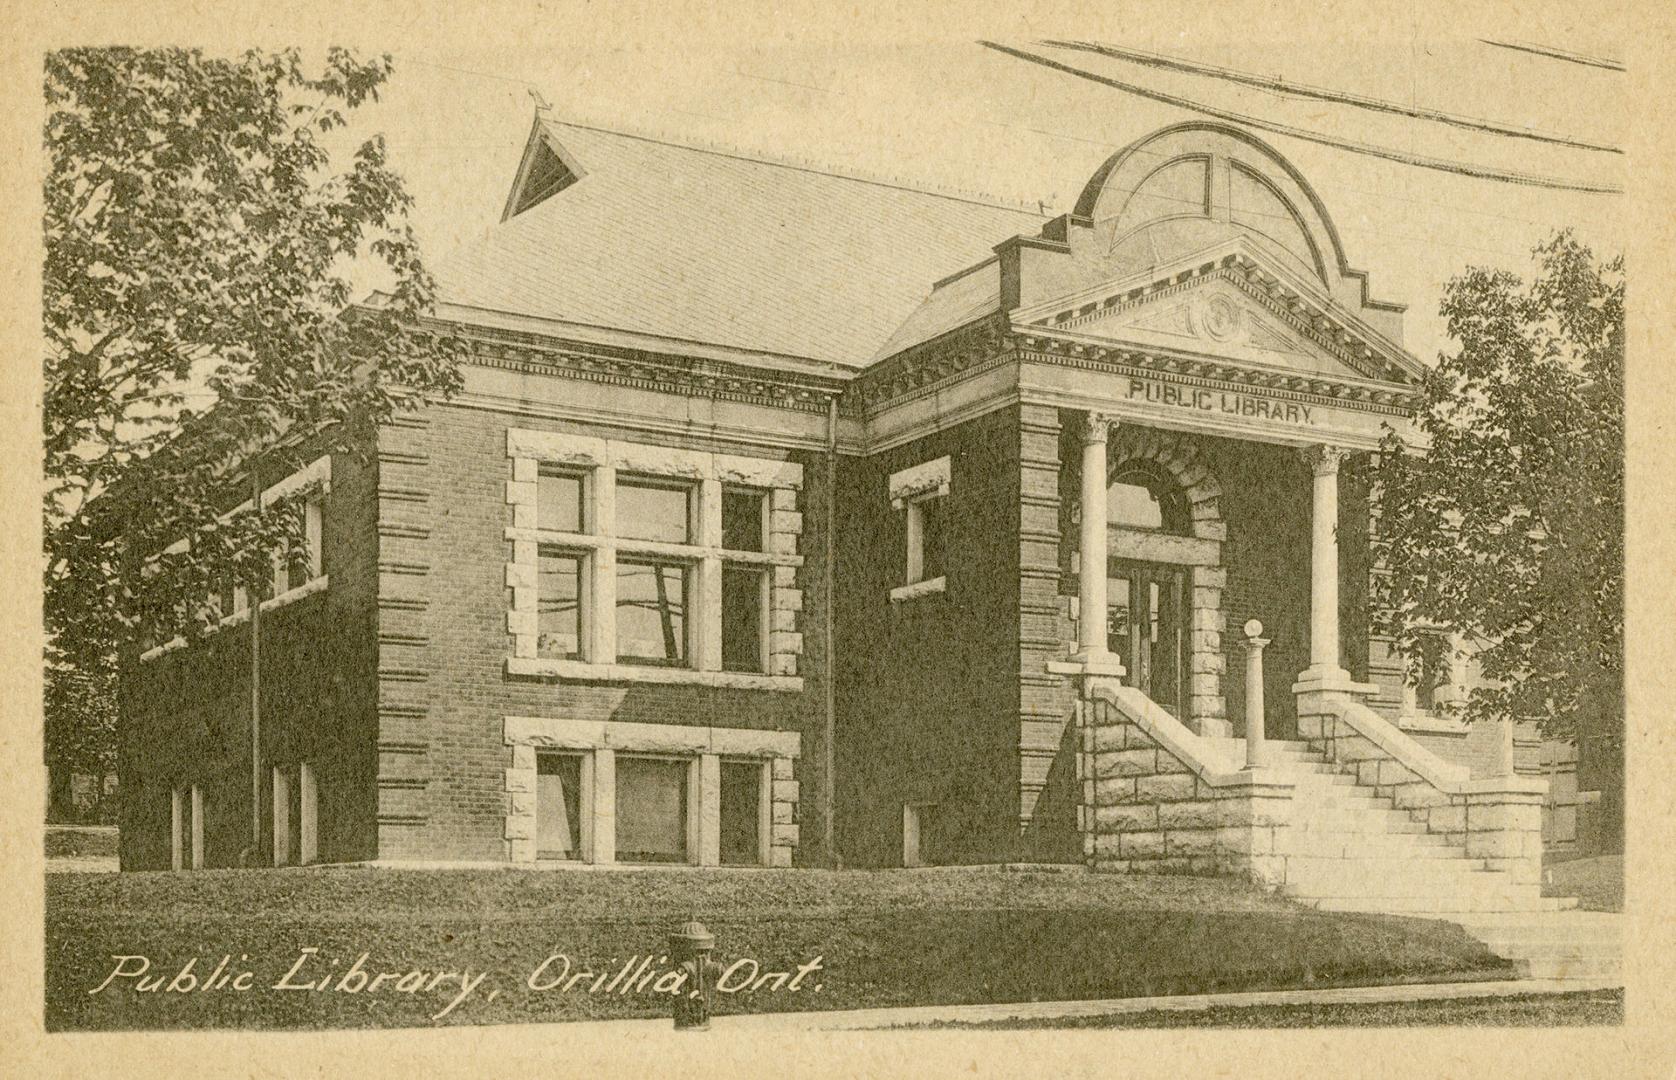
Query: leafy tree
{"points": [[199, 231], [1508, 530]]}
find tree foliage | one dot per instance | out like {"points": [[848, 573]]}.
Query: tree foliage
{"points": [[200, 227], [1508, 530]]}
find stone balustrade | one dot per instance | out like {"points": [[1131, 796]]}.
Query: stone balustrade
{"points": [[1165, 801]]}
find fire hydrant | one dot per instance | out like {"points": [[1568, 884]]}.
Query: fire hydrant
{"points": [[690, 947]]}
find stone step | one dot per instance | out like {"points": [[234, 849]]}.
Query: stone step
{"points": [[1339, 845], [1481, 898], [1369, 821], [1438, 905], [1405, 881]]}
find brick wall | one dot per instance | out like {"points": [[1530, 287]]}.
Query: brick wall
{"points": [[928, 699], [443, 620], [1266, 502], [185, 715]]}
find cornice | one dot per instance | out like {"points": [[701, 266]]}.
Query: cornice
{"points": [[967, 351], [534, 354]]}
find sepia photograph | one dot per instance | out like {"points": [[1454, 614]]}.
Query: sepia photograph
{"points": [[1059, 526]]}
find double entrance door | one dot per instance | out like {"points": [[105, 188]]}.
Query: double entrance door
{"points": [[1147, 624]]}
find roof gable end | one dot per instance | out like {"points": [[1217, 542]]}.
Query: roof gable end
{"points": [[546, 169]]}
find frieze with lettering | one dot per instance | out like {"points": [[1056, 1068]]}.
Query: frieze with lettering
{"points": [[1232, 402]]}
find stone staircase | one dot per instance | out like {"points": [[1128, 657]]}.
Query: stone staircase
{"points": [[1348, 848], [1355, 818]]}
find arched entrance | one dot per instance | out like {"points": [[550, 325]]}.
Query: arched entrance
{"points": [[1164, 575]]}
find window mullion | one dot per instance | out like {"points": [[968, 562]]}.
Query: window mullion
{"points": [[708, 606], [602, 567]]}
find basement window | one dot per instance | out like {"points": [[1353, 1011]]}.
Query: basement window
{"points": [[652, 820], [558, 806], [741, 812]]}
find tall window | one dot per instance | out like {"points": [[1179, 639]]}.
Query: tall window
{"points": [[745, 585], [927, 543], [921, 493], [559, 604], [186, 812], [294, 569]]}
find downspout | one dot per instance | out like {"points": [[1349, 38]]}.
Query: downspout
{"points": [[829, 732], [255, 600]]}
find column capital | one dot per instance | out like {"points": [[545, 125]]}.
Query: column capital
{"points": [[1095, 427], [1323, 460]]}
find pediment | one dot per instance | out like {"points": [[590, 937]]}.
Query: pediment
{"points": [[1220, 319], [1228, 305]]}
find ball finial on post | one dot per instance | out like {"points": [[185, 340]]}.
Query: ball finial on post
{"points": [[1256, 747]]}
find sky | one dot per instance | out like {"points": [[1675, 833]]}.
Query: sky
{"points": [[922, 102]]}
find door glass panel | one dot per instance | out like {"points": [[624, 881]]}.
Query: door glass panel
{"points": [[1118, 636]]}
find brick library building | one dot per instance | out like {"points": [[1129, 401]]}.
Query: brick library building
{"points": [[789, 518]]}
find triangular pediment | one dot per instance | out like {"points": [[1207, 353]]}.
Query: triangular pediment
{"points": [[1218, 318], [1232, 305]]}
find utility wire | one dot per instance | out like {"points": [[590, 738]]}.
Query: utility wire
{"points": [[1558, 54], [1480, 172], [1279, 85]]}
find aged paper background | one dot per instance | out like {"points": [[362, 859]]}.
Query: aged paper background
{"points": [[433, 31]]}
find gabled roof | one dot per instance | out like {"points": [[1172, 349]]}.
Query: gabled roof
{"points": [[711, 247]]}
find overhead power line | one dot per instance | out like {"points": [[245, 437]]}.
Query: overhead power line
{"points": [[1558, 54], [1481, 172], [1279, 85]]}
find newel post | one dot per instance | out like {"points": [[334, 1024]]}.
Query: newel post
{"points": [[1256, 745]]}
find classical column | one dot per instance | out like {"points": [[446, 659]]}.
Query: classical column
{"points": [[1324, 664], [1092, 651]]}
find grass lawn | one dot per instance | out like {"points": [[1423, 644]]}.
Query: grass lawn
{"points": [[1584, 1008], [882, 938]]}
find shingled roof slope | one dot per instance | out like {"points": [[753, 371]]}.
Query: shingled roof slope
{"points": [[711, 247]]}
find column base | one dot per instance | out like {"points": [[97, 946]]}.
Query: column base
{"points": [[1316, 680], [1098, 662]]}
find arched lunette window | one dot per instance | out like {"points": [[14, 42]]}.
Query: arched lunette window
{"points": [[1140, 497]]}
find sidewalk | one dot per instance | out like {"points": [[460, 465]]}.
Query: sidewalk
{"points": [[875, 1019]]}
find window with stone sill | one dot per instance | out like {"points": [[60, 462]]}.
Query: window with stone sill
{"points": [[623, 792], [1433, 671], [920, 492], [659, 566], [296, 574], [656, 816]]}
